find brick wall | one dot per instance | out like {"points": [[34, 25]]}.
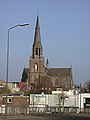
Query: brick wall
{"points": [[17, 101]]}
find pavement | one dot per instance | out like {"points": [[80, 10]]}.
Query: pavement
{"points": [[48, 117]]}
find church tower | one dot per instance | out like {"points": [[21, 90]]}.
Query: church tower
{"points": [[36, 62]]}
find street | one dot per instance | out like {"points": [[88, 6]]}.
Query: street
{"points": [[48, 117]]}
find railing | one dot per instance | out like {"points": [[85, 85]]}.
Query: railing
{"points": [[47, 110]]}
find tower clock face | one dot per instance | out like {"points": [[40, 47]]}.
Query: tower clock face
{"points": [[36, 67]]}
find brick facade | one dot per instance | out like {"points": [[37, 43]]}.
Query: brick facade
{"points": [[16, 101]]}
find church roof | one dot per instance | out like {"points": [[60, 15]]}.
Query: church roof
{"points": [[26, 70], [37, 37], [61, 72], [25, 75], [54, 72]]}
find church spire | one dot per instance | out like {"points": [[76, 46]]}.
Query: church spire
{"points": [[37, 37], [37, 46]]}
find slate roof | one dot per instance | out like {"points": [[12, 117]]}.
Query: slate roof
{"points": [[25, 75], [37, 37], [26, 70], [61, 72], [54, 72]]}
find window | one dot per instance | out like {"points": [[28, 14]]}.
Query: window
{"points": [[57, 82], [65, 83], [87, 100], [36, 51], [9, 100], [39, 51], [36, 67]]}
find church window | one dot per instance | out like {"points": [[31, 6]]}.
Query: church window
{"points": [[57, 82], [65, 83], [36, 67], [39, 51], [36, 51]]}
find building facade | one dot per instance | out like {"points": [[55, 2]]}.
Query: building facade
{"points": [[40, 74]]}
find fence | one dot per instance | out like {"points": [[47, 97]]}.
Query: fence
{"points": [[47, 110]]}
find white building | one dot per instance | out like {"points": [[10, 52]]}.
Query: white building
{"points": [[56, 100], [44, 100], [84, 100]]}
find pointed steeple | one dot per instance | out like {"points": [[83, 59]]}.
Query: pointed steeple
{"points": [[37, 46], [36, 62], [37, 37]]}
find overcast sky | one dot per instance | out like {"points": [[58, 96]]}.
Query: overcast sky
{"points": [[65, 35]]}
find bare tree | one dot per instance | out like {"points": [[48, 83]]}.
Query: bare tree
{"points": [[87, 86]]}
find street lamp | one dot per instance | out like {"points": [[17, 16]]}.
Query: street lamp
{"points": [[80, 97], [7, 64]]}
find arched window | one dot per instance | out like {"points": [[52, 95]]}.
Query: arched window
{"points": [[65, 83], [36, 67], [36, 51], [39, 51], [57, 82]]}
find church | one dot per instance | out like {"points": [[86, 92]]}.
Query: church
{"points": [[39, 75]]}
